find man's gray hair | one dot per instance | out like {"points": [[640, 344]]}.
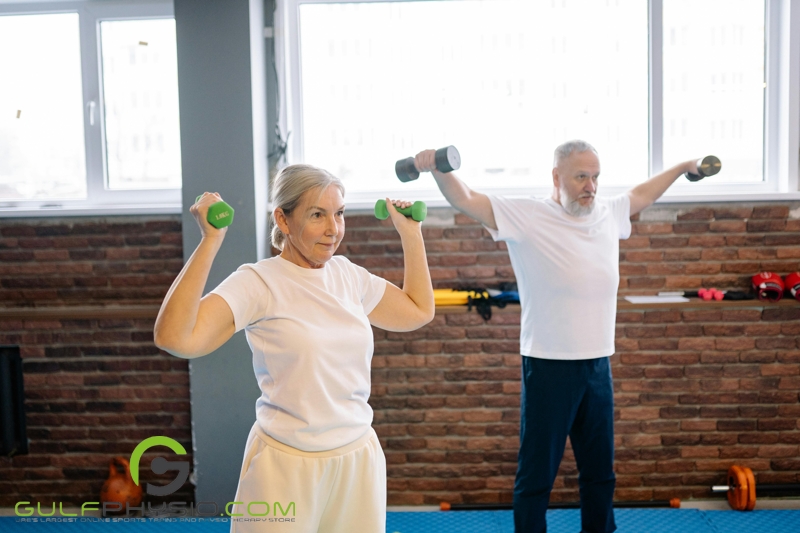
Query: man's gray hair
{"points": [[566, 149]]}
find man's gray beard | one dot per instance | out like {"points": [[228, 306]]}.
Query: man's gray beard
{"points": [[572, 207]]}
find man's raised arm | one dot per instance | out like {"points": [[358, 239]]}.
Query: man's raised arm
{"points": [[473, 204], [644, 194]]}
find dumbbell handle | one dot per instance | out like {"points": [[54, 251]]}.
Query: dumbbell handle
{"points": [[417, 211]]}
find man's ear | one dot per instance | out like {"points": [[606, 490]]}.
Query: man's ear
{"points": [[556, 178]]}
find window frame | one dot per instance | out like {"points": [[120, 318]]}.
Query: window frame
{"points": [[99, 199], [781, 150]]}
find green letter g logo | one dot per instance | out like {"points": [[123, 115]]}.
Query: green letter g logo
{"points": [[161, 465]]}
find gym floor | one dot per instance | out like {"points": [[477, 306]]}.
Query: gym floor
{"points": [[779, 515], [559, 521]]}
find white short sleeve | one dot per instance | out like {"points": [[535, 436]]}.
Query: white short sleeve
{"points": [[621, 210], [246, 295], [511, 216], [370, 287]]}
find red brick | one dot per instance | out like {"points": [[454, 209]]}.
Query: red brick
{"points": [[733, 213], [639, 413], [652, 228], [668, 242], [727, 226], [695, 343], [771, 211], [643, 256], [788, 253], [700, 452], [700, 213], [659, 317], [756, 226], [719, 254], [658, 344]]}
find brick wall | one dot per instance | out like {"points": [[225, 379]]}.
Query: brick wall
{"points": [[697, 389], [96, 387], [84, 261]]}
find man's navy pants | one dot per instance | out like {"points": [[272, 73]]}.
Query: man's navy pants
{"points": [[561, 398]]}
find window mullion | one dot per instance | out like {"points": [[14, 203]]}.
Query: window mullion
{"points": [[92, 108], [782, 112], [656, 72]]}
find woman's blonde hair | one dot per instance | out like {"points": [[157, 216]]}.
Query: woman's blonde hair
{"points": [[290, 185]]}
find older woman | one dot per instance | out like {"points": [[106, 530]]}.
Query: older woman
{"points": [[312, 454]]}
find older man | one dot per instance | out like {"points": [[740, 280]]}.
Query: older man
{"points": [[565, 254]]}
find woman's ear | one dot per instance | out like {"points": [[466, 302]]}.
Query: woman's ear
{"points": [[281, 220]]}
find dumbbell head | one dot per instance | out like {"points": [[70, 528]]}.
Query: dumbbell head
{"points": [[447, 159], [741, 488], [708, 166], [406, 170], [417, 211]]}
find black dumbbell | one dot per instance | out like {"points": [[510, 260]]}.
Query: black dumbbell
{"points": [[447, 160], [708, 166]]}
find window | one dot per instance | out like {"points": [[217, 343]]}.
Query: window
{"points": [[714, 74], [140, 88], [41, 133], [89, 120], [649, 84]]}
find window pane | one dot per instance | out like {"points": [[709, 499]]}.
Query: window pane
{"points": [[42, 151], [140, 92], [714, 84], [504, 81]]}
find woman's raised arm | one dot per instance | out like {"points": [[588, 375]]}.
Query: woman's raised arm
{"points": [[189, 325], [413, 306]]}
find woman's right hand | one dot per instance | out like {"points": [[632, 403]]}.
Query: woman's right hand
{"points": [[200, 212]]}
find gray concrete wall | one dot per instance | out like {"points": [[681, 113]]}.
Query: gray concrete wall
{"points": [[222, 90]]}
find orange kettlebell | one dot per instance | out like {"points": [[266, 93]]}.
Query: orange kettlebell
{"points": [[119, 487]]}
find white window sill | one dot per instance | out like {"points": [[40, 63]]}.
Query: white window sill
{"points": [[365, 202], [88, 211]]}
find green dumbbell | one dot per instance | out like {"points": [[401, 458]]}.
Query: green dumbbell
{"points": [[417, 211], [220, 214]]}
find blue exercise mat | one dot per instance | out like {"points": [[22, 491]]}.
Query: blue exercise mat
{"points": [[754, 521], [558, 521]]}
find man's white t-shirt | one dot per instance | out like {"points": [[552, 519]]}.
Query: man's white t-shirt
{"points": [[312, 347], [567, 271]]}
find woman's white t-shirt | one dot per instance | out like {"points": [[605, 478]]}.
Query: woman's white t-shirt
{"points": [[312, 347], [567, 271]]}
